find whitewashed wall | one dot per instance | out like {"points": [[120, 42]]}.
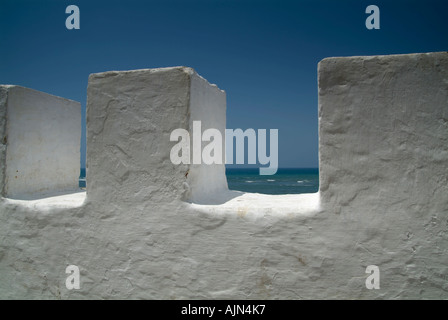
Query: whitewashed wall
{"points": [[40, 144], [383, 133]]}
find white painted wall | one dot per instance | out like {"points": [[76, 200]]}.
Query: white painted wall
{"points": [[383, 134], [131, 115], [41, 142], [207, 183]]}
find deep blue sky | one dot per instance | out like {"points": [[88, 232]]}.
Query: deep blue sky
{"points": [[264, 54]]}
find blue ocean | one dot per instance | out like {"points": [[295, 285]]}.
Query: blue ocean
{"points": [[285, 181]]}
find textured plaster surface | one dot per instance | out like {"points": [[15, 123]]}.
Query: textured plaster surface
{"points": [[40, 144], [383, 145]]}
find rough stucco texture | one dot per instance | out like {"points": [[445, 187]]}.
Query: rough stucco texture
{"points": [[130, 117], [40, 136], [383, 133]]}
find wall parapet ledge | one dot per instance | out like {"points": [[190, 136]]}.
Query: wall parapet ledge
{"points": [[383, 149]]}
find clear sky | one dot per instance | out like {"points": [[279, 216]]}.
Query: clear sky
{"points": [[264, 54]]}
